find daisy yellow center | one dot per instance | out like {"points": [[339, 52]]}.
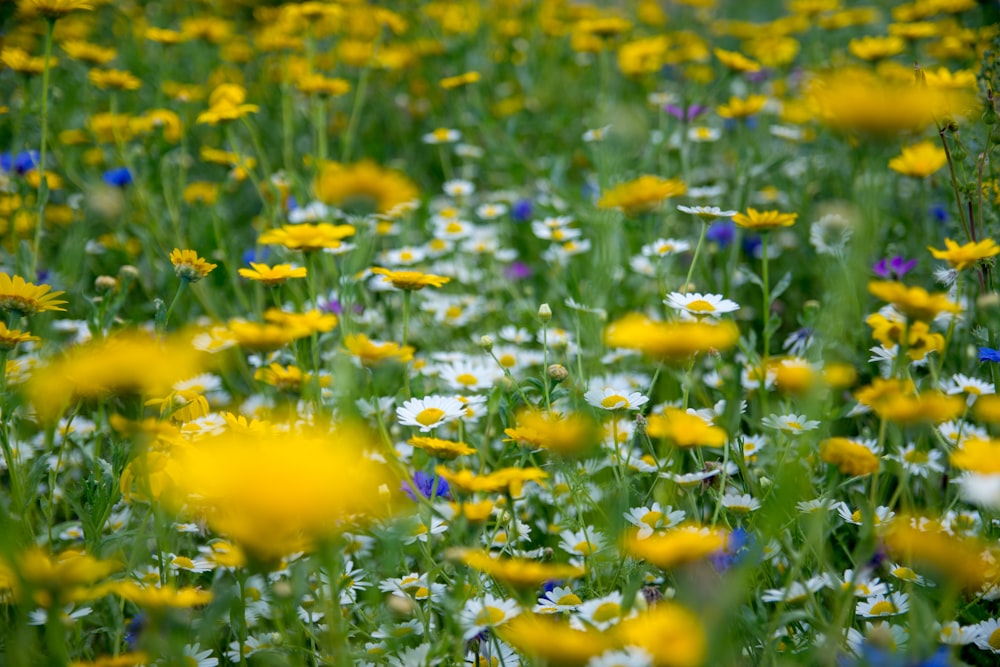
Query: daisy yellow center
{"points": [[664, 248], [971, 390], [584, 547], [490, 616], [994, 639], [183, 561], [607, 611], [421, 529], [614, 400], [560, 488], [441, 134], [409, 581], [468, 379], [501, 538], [406, 255], [651, 518], [570, 247], [568, 599], [856, 516], [402, 631], [430, 416], [916, 456], [438, 244], [558, 235], [701, 306], [449, 212], [703, 133], [883, 607], [421, 592], [454, 227], [739, 508], [795, 425], [508, 361], [862, 589], [453, 312], [190, 661], [905, 573]]}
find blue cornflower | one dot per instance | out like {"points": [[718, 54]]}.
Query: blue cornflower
{"points": [[989, 354], [25, 161], [522, 210], [721, 232], [119, 177], [429, 486]]}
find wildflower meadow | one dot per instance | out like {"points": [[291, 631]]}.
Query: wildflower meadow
{"points": [[499, 333]]}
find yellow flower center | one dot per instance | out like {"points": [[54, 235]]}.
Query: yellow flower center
{"points": [[454, 227], [441, 134], [558, 235], [406, 255], [430, 416], [501, 538], [614, 400], [607, 612], [795, 425], [421, 592], [183, 561], [883, 607], [490, 616], [916, 456], [508, 361], [651, 518], [664, 248], [468, 379], [453, 312], [994, 639], [584, 547], [905, 573], [568, 599], [402, 631], [701, 306]]}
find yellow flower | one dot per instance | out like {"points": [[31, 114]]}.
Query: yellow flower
{"points": [[914, 302], [21, 61], [226, 103], [445, 449], [115, 79], [962, 257], [371, 353], [568, 435], [876, 48], [736, 61], [56, 578], [163, 36], [668, 632], [763, 221], [130, 362], [519, 572], [53, 9], [684, 429], [987, 408], [554, 642], [317, 84], [929, 406], [203, 192], [272, 275], [502, 480], [156, 597], [129, 659], [364, 187], [979, 456], [311, 321], [966, 561], [641, 195], [9, 338], [274, 494], [287, 378], [87, 52], [739, 108], [920, 340], [677, 546], [461, 80], [307, 237], [411, 280], [189, 266], [262, 337], [23, 298], [919, 160], [850, 457], [670, 341]]}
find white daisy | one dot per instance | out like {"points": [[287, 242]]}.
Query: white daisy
{"points": [[652, 518], [560, 598], [581, 542], [885, 635], [404, 256], [740, 503], [972, 387], [791, 424], [458, 188], [904, 573], [665, 247], [193, 656], [794, 592], [442, 135], [862, 586], [958, 635], [880, 605], [597, 134], [479, 615], [429, 412], [830, 234], [614, 398], [630, 656], [706, 213], [560, 234], [918, 462], [702, 134], [491, 211], [602, 612], [701, 305], [857, 517], [470, 375]]}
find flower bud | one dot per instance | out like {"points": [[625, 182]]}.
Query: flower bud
{"points": [[486, 342], [558, 372], [544, 312]]}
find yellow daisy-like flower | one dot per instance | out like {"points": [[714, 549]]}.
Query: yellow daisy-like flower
{"points": [[317, 84], [520, 572], [24, 298], [156, 597], [763, 221], [87, 52], [554, 642], [364, 187], [670, 341], [876, 48], [272, 275], [54, 9], [262, 337], [919, 160], [684, 429], [641, 195], [411, 280], [307, 237], [115, 79], [226, 103], [129, 659], [914, 302], [561, 434], [964, 256], [499, 481], [678, 546], [23, 62], [287, 378], [447, 449], [929, 406], [736, 61], [462, 79], [739, 108], [371, 353], [979, 456], [850, 457], [189, 266], [9, 338], [311, 321]]}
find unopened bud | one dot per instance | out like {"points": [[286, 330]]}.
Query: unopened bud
{"points": [[128, 271], [486, 342], [558, 372], [544, 312], [105, 284]]}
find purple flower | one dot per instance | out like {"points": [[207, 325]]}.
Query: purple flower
{"points": [[689, 114], [429, 486], [522, 210], [894, 268], [517, 271]]}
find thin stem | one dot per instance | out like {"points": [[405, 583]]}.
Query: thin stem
{"points": [[407, 297], [694, 260], [166, 318], [766, 314], [43, 181]]}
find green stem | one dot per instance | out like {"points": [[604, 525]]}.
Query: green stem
{"points": [[359, 98], [407, 298], [170, 310], [43, 181], [694, 260], [766, 314]]}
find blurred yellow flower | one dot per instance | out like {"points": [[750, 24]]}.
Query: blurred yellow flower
{"points": [[919, 160], [567, 435], [371, 353], [964, 256], [53, 9], [739, 108], [678, 546], [761, 221], [876, 48], [307, 237], [684, 429], [364, 187], [272, 275], [914, 302], [670, 341], [519, 572], [736, 61], [641, 195], [24, 298], [114, 79], [411, 280], [850, 457]]}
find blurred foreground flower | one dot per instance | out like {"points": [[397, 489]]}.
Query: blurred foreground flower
{"points": [[276, 492], [670, 341]]}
